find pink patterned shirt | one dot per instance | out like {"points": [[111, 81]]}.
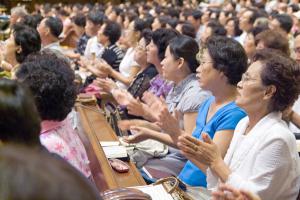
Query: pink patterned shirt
{"points": [[62, 139]]}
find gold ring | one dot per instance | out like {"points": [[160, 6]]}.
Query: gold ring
{"points": [[195, 147]]}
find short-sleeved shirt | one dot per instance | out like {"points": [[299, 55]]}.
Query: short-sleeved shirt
{"points": [[187, 95], [93, 47], [61, 138], [113, 55], [226, 118]]}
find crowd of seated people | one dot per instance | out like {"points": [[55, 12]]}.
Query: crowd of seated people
{"points": [[215, 85]]}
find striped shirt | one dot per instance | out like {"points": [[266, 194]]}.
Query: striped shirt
{"points": [[113, 55]]}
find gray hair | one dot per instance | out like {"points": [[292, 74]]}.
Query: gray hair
{"points": [[19, 10]]}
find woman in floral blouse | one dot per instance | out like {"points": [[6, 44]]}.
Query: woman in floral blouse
{"points": [[51, 81]]}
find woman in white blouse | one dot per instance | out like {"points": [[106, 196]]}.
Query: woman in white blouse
{"points": [[262, 156]]}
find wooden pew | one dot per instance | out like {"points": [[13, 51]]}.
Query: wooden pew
{"points": [[96, 129]]}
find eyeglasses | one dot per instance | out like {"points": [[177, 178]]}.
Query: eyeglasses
{"points": [[247, 78], [140, 47], [297, 50], [202, 62]]}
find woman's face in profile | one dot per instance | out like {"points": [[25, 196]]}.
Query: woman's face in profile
{"points": [[140, 55], [10, 50], [249, 45], [152, 53], [206, 73], [230, 28], [251, 90], [170, 65]]}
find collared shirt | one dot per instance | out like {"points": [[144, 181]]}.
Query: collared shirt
{"points": [[81, 44], [296, 108], [187, 96], [265, 161], [93, 47], [54, 46], [58, 50], [59, 137], [160, 86]]}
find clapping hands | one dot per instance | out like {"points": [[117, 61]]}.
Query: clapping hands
{"points": [[98, 67], [205, 151], [140, 130], [226, 192], [107, 85], [168, 122]]}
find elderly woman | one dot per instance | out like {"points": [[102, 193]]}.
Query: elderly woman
{"points": [[262, 156], [23, 41], [51, 81], [222, 64], [272, 40]]}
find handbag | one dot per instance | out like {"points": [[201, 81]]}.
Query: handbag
{"points": [[171, 185], [125, 194], [113, 114]]}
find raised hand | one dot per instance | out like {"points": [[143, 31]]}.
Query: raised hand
{"points": [[104, 66], [205, 151], [107, 85], [139, 134], [149, 98], [122, 96], [226, 192], [169, 123], [126, 124], [135, 107]]}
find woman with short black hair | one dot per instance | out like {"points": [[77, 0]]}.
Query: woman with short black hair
{"points": [[23, 41]]}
